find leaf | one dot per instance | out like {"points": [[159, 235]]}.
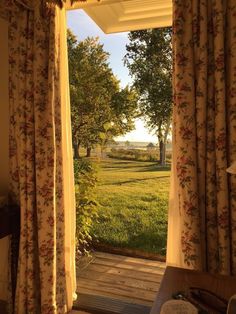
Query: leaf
{"points": [[102, 135]]}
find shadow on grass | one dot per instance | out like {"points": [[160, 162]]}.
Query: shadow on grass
{"points": [[155, 168], [148, 242], [139, 167], [136, 180], [122, 165], [153, 243]]}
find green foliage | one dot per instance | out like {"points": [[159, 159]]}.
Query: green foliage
{"points": [[151, 146], [149, 60], [137, 155], [86, 204], [100, 109], [133, 198]]}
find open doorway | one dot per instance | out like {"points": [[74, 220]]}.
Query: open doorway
{"points": [[122, 151]]}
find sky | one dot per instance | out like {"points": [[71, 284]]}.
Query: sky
{"points": [[83, 26]]}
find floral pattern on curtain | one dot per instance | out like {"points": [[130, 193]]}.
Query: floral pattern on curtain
{"points": [[204, 136], [38, 161]]}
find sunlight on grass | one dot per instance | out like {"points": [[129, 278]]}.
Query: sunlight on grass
{"points": [[133, 199]]}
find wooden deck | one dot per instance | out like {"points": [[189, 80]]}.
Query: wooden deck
{"points": [[119, 281]]}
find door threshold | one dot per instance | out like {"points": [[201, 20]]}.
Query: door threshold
{"points": [[104, 305]]}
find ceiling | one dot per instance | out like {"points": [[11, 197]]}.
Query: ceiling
{"points": [[114, 16]]}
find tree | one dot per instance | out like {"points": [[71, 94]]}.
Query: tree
{"points": [[127, 144], [149, 60], [100, 110]]}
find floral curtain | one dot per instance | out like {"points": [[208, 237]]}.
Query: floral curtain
{"points": [[41, 171], [202, 213], [4, 242]]}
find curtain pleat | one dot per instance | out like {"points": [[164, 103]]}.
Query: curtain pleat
{"points": [[202, 200], [41, 161], [68, 170]]}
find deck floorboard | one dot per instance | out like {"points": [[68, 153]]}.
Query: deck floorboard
{"points": [[135, 281]]}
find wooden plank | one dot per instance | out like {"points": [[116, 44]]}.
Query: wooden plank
{"points": [[129, 273], [128, 259], [103, 305], [118, 290], [83, 263], [107, 294], [124, 279], [124, 265], [114, 279]]}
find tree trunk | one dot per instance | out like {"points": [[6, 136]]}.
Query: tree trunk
{"points": [[167, 130], [161, 146], [162, 153], [88, 152], [101, 150], [76, 150]]}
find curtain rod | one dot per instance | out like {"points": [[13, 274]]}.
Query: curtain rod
{"points": [[24, 5]]}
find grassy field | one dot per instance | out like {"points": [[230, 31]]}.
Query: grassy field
{"points": [[133, 199]]}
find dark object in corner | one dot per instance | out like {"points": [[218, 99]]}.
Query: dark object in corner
{"points": [[10, 226], [3, 307], [9, 221]]}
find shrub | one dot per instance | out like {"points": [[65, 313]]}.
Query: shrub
{"points": [[138, 155], [134, 154], [86, 205]]}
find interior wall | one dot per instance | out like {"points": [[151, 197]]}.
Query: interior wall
{"points": [[4, 159]]}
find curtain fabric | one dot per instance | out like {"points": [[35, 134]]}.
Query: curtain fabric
{"points": [[202, 212], [41, 171], [4, 243]]}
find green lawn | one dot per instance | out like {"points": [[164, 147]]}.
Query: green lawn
{"points": [[133, 199]]}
